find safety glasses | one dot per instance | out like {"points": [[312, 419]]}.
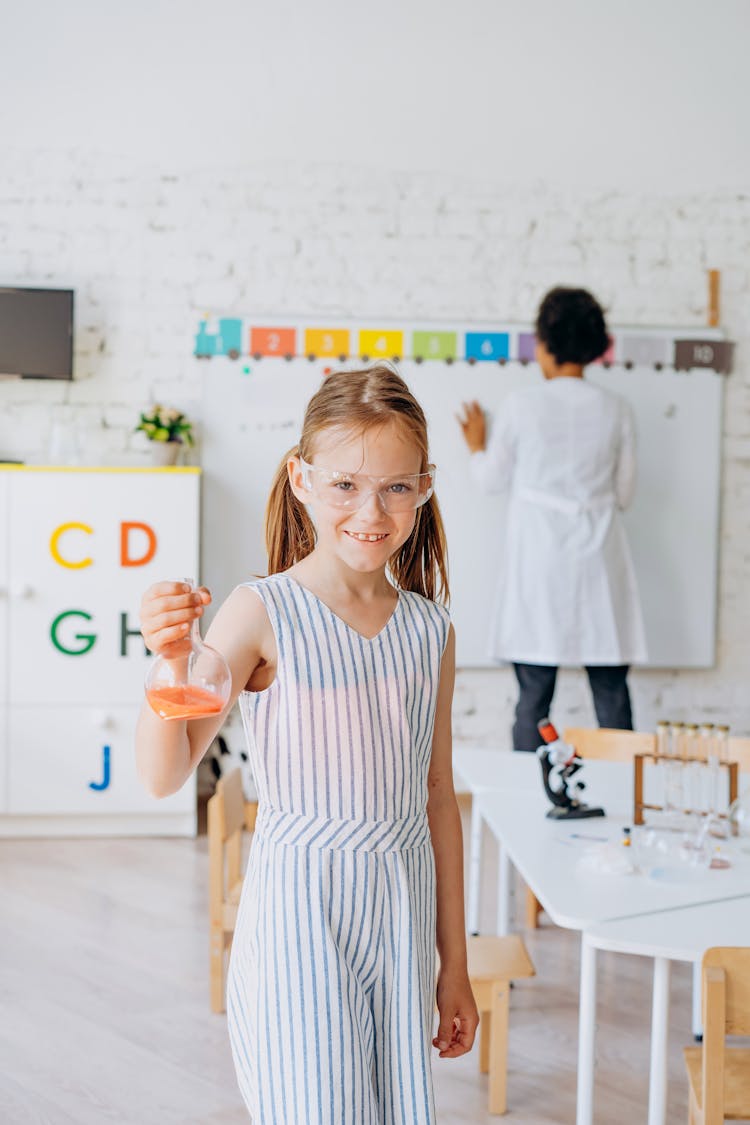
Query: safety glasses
{"points": [[350, 490]]}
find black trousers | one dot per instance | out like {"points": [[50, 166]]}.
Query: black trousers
{"points": [[536, 686]]}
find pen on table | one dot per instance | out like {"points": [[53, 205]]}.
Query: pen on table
{"points": [[581, 836]]}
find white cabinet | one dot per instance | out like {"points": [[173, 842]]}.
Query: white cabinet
{"points": [[87, 762], [4, 580], [79, 547]]}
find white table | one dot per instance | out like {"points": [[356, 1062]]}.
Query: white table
{"points": [[547, 855], [547, 852], [480, 770], [672, 935], [477, 769]]}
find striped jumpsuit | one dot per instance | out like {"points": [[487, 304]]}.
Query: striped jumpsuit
{"points": [[331, 987]]}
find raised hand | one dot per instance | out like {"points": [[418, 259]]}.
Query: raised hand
{"points": [[473, 426]]}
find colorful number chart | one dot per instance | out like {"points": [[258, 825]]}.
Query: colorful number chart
{"points": [[234, 337], [252, 416]]}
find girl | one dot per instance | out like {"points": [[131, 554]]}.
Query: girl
{"points": [[565, 450], [344, 666]]}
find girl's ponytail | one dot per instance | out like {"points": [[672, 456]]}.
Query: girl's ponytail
{"points": [[289, 531], [421, 564]]}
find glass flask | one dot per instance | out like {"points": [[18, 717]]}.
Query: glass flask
{"points": [[194, 683], [739, 819]]}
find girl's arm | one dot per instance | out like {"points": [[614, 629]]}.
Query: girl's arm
{"points": [[458, 1012], [167, 752]]}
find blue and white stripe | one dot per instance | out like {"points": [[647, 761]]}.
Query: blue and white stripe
{"points": [[331, 983]]}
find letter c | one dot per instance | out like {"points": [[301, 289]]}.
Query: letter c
{"points": [[55, 550]]}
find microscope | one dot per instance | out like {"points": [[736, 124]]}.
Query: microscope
{"points": [[560, 764]]}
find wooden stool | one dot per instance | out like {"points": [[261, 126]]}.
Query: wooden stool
{"points": [[493, 963], [718, 1076], [229, 815], [533, 910]]}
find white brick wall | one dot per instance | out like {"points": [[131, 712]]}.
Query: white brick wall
{"points": [[148, 252]]}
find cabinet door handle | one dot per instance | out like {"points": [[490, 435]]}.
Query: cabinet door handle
{"points": [[100, 720]]}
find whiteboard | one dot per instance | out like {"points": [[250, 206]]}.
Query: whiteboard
{"points": [[252, 413]]}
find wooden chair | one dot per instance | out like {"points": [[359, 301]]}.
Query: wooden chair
{"points": [[622, 745], [739, 751], [493, 963], [229, 815], [719, 1077], [607, 745], [601, 744]]}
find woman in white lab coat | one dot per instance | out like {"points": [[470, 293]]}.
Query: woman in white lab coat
{"points": [[565, 451]]}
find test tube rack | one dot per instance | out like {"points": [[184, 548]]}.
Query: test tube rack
{"points": [[640, 806]]}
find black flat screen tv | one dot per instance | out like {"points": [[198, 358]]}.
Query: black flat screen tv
{"points": [[36, 333]]}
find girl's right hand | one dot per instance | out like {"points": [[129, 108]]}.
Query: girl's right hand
{"points": [[168, 610]]}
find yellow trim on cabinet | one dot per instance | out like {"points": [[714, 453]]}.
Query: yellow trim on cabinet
{"points": [[10, 468]]}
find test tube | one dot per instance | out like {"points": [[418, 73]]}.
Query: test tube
{"points": [[709, 753], [722, 742], [662, 769], [662, 739], [693, 770], [721, 745], [674, 802]]}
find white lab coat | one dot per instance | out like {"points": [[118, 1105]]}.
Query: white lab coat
{"points": [[565, 451]]}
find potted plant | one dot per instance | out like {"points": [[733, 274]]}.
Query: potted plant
{"points": [[167, 429]]}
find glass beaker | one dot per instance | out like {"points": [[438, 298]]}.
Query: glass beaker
{"points": [[192, 684]]}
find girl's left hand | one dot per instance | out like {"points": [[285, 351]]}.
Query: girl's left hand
{"points": [[459, 1018]]}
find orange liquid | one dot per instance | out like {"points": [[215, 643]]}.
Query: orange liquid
{"points": [[184, 702]]}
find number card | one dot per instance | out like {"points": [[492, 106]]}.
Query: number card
{"points": [[326, 341], [526, 346], [381, 344], [716, 354], [646, 350], [487, 345], [273, 341], [434, 345]]}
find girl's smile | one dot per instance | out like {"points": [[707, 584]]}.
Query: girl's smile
{"points": [[364, 537]]}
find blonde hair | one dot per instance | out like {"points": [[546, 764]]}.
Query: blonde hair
{"points": [[359, 400]]}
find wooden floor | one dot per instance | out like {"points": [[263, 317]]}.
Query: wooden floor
{"points": [[105, 1016]]}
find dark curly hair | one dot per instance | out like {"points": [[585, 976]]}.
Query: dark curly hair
{"points": [[570, 323]]}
